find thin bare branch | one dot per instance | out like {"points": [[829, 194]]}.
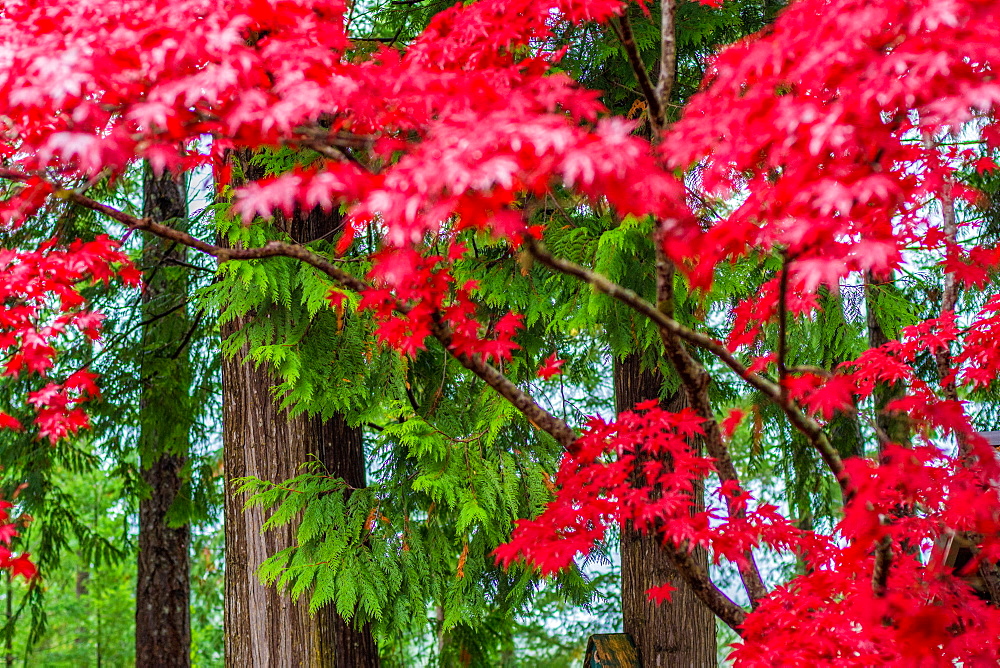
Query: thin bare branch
{"points": [[654, 107], [714, 599], [522, 401], [782, 352]]}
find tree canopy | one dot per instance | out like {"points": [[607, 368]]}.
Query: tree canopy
{"points": [[844, 149]]}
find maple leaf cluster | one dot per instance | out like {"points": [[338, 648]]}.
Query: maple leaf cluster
{"points": [[41, 304], [20, 564], [823, 132], [831, 615]]}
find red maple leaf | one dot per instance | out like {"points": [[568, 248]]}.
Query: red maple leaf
{"points": [[661, 593], [551, 367], [23, 566]]}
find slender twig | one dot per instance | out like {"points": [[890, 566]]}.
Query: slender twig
{"points": [[538, 416], [187, 337], [949, 292], [668, 52], [186, 265], [714, 599], [782, 351]]}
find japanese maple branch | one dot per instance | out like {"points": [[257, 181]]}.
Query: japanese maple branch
{"points": [[699, 581], [694, 378], [537, 415], [270, 249], [811, 429], [522, 401], [942, 358], [695, 381]]}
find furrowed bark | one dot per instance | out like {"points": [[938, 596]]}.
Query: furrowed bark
{"points": [[162, 599], [264, 627], [679, 632], [880, 570]]}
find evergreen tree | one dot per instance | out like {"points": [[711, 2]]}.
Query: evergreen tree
{"points": [[254, 420], [162, 598]]}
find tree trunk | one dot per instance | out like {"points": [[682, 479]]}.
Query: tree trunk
{"points": [[264, 627], [162, 610], [681, 633]]}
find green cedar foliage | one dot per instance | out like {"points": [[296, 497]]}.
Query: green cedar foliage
{"points": [[451, 466]]}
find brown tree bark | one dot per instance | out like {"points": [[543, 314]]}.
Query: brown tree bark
{"points": [[264, 627], [162, 610], [681, 633]]}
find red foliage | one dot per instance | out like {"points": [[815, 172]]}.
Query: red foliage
{"points": [[21, 564], [551, 367], [816, 124]]}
